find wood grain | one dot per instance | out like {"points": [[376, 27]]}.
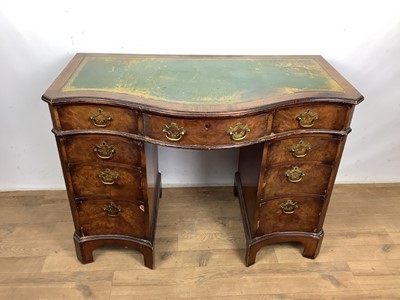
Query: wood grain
{"points": [[200, 249]]}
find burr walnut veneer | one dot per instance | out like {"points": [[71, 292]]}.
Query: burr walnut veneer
{"points": [[289, 115]]}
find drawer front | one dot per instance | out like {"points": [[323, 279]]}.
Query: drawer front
{"points": [[290, 214], [97, 117], [296, 179], [102, 148], [321, 148], [322, 116], [108, 216], [205, 131], [106, 181]]}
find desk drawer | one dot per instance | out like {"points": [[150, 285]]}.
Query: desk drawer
{"points": [[321, 148], [296, 179], [102, 148], [205, 131], [313, 116], [106, 181], [290, 214], [109, 216], [97, 117]]}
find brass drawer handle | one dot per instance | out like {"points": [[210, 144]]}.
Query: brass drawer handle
{"points": [[173, 132], [108, 177], [112, 209], [289, 206], [238, 132], [104, 150], [295, 174], [100, 118], [300, 149], [307, 118]]}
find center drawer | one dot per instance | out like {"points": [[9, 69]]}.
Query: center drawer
{"points": [[226, 131]]}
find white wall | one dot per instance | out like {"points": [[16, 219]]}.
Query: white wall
{"points": [[37, 38]]}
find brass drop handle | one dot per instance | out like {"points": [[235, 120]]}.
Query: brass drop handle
{"points": [[295, 174], [112, 209], [238, 132], [173, 132], [307, 118], [104, 150], [100, 118], [108, 177], [289, 206], [300, 149]]}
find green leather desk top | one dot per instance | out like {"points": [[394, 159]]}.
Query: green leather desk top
{"points": [[201, 81]]}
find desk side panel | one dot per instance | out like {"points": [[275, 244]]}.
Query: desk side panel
{"points": [[250, 166], [152, 176]]}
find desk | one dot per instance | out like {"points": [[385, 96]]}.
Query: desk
{"points": [[289, 115]]}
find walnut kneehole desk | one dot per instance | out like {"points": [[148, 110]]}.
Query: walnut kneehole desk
{"points": [[290, 116]]}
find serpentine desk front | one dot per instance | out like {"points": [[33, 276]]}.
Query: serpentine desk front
{"points": [[290, 116]]}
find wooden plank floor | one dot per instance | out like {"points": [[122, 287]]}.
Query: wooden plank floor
{"points": [[200, 251]]}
